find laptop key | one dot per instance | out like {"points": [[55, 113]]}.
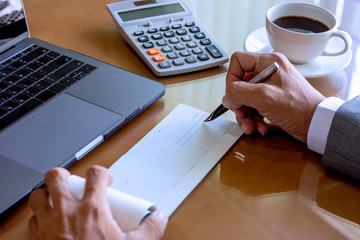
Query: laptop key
{"points": [[9, 105], [13, 90], [21, 73], [42, 84], [87, 68], [25, 83], [5, 72], [59, 61], [78, 74], [46, 70], [32, 67], [3, 86], [10, 80], [2, 112], [26, 59], [38, 52], [52, 55], [19, 112], [42, 61], [32, 91], [53, 78], [68, 68], [35, 76], [57, 87], [45, 95], [21, 98], [15, 65], [4, 97], [68, 81]]}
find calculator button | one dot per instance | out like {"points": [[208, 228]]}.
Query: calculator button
{"points": [[179, 46], [174, 40], [172, 55], [178, 62], [203, 57], [197, 50], [214, 51], [194, 29], [148, 45], [189, 24], [138, 33], [191, 44], [152, 30], [162, 42], [143, 38], [186, 38], [205, 41], [169, 34], [181, 31], [157, 36], [200, 35], [167, 49], [159, 58], [176, 26], [190, 59], [185, 53], [153, 51], [165, 28], [165, 64]]}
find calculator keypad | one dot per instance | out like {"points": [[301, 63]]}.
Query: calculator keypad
{"points": [[177, 45]]}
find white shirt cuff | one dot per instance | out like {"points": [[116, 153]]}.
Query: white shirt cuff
{"points": [[321, 122]]}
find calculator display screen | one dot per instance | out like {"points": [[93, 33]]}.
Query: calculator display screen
{"points": [[151, 12]]}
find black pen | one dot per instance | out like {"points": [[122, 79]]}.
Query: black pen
{"points": [[261, 77]]}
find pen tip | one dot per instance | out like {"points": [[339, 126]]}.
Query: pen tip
{"points": [[208, 119]]}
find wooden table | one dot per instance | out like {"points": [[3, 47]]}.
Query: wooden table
{"points": [[279, 191]]}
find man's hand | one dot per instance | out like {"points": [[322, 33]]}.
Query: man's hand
{"points": [[58, 215], [287, 100]]}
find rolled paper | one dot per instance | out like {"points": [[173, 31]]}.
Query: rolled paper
{"points": [[127, 210]]}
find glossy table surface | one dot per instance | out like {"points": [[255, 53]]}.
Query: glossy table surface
{"points": [[280, 190]]}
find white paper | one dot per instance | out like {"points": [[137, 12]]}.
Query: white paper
{"points": [[127, 210], [173, 158]]}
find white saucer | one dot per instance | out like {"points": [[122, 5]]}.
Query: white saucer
{"points": [[321, 66]]}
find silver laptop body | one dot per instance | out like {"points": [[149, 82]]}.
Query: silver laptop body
{"points": [[72, 121]]}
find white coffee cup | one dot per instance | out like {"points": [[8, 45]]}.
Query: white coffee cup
{"points": [[302, 47]]}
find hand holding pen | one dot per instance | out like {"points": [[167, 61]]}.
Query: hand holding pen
{"points": [[288, 101], [261, 77]]}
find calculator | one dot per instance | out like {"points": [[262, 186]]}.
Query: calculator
{"points": [[167, 36]]}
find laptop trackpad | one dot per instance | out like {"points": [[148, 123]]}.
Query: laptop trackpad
{"points": [[55, 133]]}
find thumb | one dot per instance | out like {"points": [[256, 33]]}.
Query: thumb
{"points": [[152, 228]]}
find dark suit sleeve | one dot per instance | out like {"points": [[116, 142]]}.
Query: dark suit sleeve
{"points": [[342, 151]]}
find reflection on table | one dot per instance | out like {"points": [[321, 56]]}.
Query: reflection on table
{"points": [[269, 187]]}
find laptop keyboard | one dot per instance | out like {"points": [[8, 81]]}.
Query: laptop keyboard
{"points": [[32, 77]]}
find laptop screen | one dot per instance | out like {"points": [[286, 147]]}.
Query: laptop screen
{"points": [[12, 22]]}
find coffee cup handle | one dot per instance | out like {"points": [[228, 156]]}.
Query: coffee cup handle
{"points": [[345, 38]]}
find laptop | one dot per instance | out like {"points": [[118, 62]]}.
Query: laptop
{"points": [[56, 105]]}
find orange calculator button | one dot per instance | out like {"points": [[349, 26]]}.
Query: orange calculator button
{"points": [[159, 58], [153, 51]]}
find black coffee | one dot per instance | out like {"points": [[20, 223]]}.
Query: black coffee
{"points": [[301, 24]]}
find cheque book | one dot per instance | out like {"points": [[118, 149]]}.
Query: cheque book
{"points": [[166, 164]]}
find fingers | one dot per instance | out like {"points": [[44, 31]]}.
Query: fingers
{"points": [[33, 228], [57, 186], [250, 121], [152, 228], [97, 180], [243, 63], [241, 93], [39, 202]]}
